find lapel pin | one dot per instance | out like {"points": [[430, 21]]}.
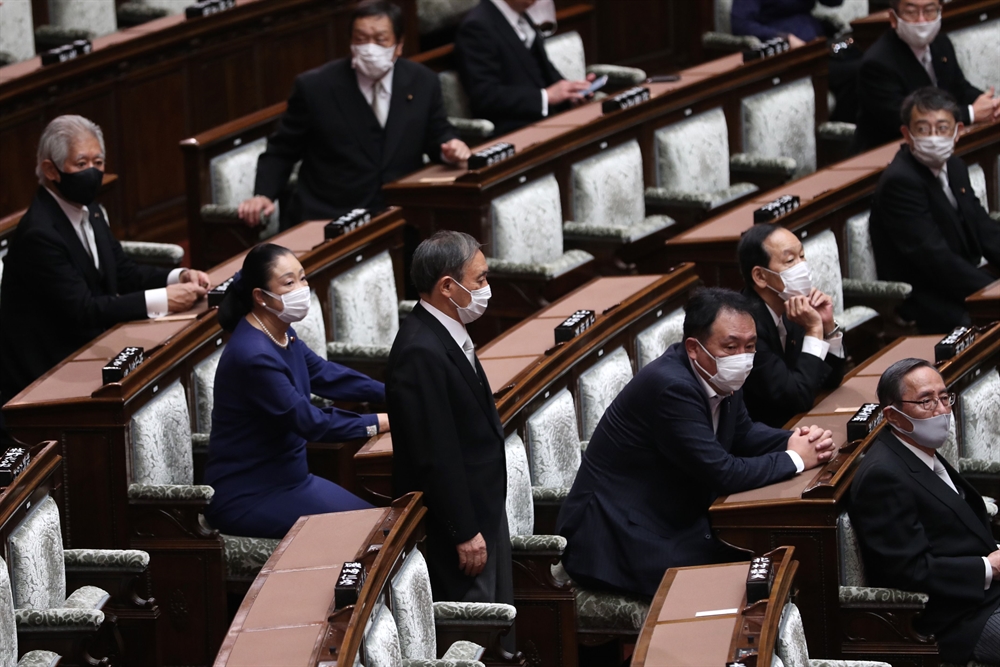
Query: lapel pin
{"points": [[409, 98], [944, 59], [963, 191]]}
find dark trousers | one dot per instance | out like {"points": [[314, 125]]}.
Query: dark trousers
{"points": [[496, 582], [988, 647]]}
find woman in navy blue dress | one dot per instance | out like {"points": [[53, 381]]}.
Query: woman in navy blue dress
{"points": [[263, 416]]}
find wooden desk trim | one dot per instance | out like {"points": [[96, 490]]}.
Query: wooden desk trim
{"points": [[45, 462], [982, 307]]}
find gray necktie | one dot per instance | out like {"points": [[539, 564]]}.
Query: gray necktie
{"points": [[89, 242], [940, 471], [470, 352], [928, 62], [943, 180], [379, 105]]}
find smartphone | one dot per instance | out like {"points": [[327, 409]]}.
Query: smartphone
{"points": [[595, 85], [663, 78]]}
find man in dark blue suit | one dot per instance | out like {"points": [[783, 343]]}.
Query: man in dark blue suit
{"points": [[677, 437]]}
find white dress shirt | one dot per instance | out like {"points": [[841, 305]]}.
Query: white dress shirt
{"points": [[79, 218], [526, 34], [810, 344], [924, 57], [457, 331]]}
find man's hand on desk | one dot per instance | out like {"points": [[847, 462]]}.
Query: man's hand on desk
{"points": [[251, 210], [564, 90], [986, 107], [472, 555], [195, 278], [813, 444], [182, 296], [455, 152], [994, 559]]}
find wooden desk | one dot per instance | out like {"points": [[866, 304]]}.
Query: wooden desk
{"points": [[956, 14], [679, 633], [984, 305]]}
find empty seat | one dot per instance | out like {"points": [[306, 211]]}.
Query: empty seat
{"points": [[979, 424], [380, 646], [17, 36], [976, 50], [8, 631], [232, 177], [556, 450], [722, 38], [781, 124], [565, 52], [862, 275], [364, 311], [599, 386], [824, 264], [456, 105], [656, 338], [791, 648]]}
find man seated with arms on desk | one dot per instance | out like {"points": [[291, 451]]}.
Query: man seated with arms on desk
{"points": [[677, 437], [912, 55], [505, 71], [800, 349], [356, 124], [66, 279], [928, 228], [922, 527], [263, 414]]}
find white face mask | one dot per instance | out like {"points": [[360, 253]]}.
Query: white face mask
{"points": [[931, 432], [372, 60], [476, 307], [295, 305], [797, 280], [918, 35], [731, 372], [934, 151]]}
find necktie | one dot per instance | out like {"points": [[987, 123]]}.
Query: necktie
{"points": [[379, 105], [470, 352], [940, 471], [943, 179], [928, 63], [782, 331], [89, 243], [526, 30]]}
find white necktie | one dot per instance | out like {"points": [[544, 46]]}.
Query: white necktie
{"points": [[526, 30], [379, 105], [940, 471], [89, 242], [928, 62], [943, 179], [470, 352], [782, 332]]}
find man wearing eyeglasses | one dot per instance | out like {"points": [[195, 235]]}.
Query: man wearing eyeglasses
{"points": [[927, 226], [910, 56], [922, 527]]}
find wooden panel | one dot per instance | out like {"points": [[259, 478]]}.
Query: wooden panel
{"points": [[18, 146], [232, 79], [288, 56]]}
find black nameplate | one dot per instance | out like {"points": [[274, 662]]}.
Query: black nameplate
{"points": [[574, 325], [61, 54], [359, 217], [783, 205], [348, 588], [218, 293], [768, 49], [12, 463], [864, 421], [123, 363], [490, 155], [625, 100], [954, 343], [759, 579], [207, 8]]}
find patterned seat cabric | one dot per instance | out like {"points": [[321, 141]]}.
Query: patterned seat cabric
{"points": [[555, 445], [565, 52], [381, 646], [599, 386], [722, 37], [364, 310], [977, 177], [232, 176], [976, 50], [824, 264], [456, 105], [96, 17], [781, 123], [655, 339], [862, 275], [979, 424], [8, 631], [854, 588], [840, 17], [17, 37], [434, 15], [791, 648]]}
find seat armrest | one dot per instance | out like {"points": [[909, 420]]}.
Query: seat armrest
{"points": [[480, 612], [618, 75], [228, 215], [39, 659], [118, 560], [406, 307], [59, 619], [339, 352], [473, 128], [570, 260], [479, 622], [827, 15], [721, 41], [755, 164], [547, 494], [704, 201], [540, 544], [160, 254], [877, 289], [881, 597], [171, 492], [837, 131], [135, 13], [440, 662]]}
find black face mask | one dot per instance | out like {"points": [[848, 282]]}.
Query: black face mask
{"points": [[80, 187]]}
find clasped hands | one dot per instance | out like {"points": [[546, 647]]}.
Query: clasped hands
{"points": [[814, 444]]}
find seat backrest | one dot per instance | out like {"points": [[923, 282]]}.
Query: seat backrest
{"points": [[172, 6], [791, 645], [95, 16], [565, 52], [980, 418], [781, 122], [456, 102], [364, 308], [976, 50], [413, 609], [233, 173], [17, 32], [949, 450], [554, 442], [693, 155], [527, 222], [599, 386], [37, 564], [849, 10], [161, 439], [438, 14], [724, 16], [655, 339], [312, 329], [977, 177], [8, 626], [204, 390], [520, 506], [382, 641], [860, 256], [852, 567], [608, 188], [824, 266]]}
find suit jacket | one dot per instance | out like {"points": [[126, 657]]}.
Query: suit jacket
{"points": [[784, 382], [639, 504], [766, 19], [448, 442], [890, 72], [503, 79], [918, 535], [919, 238], [54, 300], [346, 155]]}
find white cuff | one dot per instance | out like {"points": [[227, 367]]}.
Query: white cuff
{"points": [[156, 302], [174, 276], [972, 119], [545, 103], [797, 460], [837, 345], [989, 573], [815, 346]]}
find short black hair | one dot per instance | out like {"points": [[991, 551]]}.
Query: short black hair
{"points": [[444, 254], [751, 251], [367, 8], [890, 385], [258, 266], [929, 98], [704, 307]]}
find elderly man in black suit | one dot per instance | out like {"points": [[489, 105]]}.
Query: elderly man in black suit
{"points": [[677, 437], [504, 68], [66, 279], [922, 527], [910, 56], [928, 228], [356, 124], [800, 348]]}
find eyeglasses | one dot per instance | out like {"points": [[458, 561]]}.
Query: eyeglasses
{"points": [[923, 129], [931, 403], [912, 14]]}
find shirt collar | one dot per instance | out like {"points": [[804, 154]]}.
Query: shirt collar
{"points": [[368, 83], [774, 316], [920, 54], [919, 453], [710, 392], [76, 214], [454, 327], [512, 17]]}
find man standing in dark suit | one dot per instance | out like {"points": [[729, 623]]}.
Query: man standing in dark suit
{"points": [[66, 279], [676, 438], [800, 349], [447, 438], [356, 124], [506, 74], [922, 527], [910, 56], [927, 225]]}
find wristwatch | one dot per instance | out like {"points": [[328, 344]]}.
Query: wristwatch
{"points": [[833, 332]]}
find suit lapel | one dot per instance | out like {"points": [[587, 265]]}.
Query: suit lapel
{"points": [[78, 253], [794, 335], [516, 46], [399, 110], [356, 111], [909, 66], [943, 211]]}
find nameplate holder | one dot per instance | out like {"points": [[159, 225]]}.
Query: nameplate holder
{"points": [[626, 100], [218, 293], [783, 205], [491, 155], [359, 217], [766, 49], [747, 658], [574, 325], [349, 584], [864, 421], [122, 364], [12, 463], [759, 579], [61, 54], [952, 345], [207, 8]]}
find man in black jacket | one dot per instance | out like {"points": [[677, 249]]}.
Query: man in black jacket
{"points": [[356, 124], [504, 68], [800, 349], [922, 527], [927, 225], [910, 56]]}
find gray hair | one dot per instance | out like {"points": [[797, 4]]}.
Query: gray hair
{"points": [[890, 385], [444, 254], [57, 140]]}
